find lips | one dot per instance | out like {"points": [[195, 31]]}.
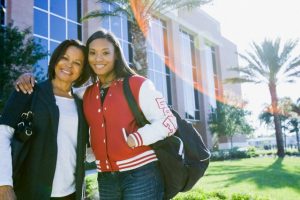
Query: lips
{"points": [[66, 71], [99, 66]]}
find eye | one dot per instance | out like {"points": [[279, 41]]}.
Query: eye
{"points": [[64, 58], [77, 63], [91, 53], [106, 53]]}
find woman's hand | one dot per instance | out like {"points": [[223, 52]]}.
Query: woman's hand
{"points": [[130, 141], [7, 193], [25, 83]]}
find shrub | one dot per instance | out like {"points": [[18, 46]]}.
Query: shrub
{"points": [[239, 196], [251, 152], [235, 153], [197, 194], [91, 190]]}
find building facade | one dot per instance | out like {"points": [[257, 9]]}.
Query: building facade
{"points": [[187, 56]]}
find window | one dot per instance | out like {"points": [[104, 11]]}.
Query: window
{"points": [[119, 26], [55, 21], [157, 54], [215, 71], [3, 12], [211, 75], [188, 70]]}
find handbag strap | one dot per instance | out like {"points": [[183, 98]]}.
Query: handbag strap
{"points": [[138, 115], [32, 103]]}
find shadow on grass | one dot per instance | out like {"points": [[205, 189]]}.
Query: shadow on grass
{"points": [[272, 176]]}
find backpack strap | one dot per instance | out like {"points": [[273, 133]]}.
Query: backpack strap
{"points": [[138, 115]]}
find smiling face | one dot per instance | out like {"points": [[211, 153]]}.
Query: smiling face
{"points": [[101, 58], [70, 65]]}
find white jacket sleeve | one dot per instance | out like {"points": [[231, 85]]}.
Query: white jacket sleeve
{"points": [[155, 109], [6, 133]]}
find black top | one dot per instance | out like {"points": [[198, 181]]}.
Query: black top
{"points": [[103, 92]]}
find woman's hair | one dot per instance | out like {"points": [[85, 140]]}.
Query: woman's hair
{"points": [[121, 67], [59, 52]]}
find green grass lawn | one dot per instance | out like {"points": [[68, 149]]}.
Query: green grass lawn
{"points": [[275, 179], [246, 179]]}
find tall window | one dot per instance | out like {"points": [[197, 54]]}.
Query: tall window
{"points": [[215, 72], [55, 21], [119, 26], [157, 55], [211, 74], [188, 70], [3, 12]]}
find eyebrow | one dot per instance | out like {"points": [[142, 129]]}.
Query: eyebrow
{"points": [[101, 49]]}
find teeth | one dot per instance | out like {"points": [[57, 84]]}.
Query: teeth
{"points": [[66, 72], [99, 66]]}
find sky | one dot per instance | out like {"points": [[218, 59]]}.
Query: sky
{"points": [[245, 21]]}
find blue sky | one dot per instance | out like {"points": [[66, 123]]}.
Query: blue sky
{"points": [[244, 21]]}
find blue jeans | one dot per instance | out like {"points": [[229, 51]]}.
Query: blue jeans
{"points": [[143, 183]]}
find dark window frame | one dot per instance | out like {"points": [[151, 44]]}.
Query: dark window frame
{"points": [[3, 12]]}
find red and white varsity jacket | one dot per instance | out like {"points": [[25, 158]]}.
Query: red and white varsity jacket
{"points": [[107, 119]]}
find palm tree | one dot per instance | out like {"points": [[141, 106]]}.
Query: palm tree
{"points": [[270, 63], [296, 107], [295, 121], [284, 113], [139, 13]]}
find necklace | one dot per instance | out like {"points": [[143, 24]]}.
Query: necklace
{"points": [[62, 93], [102, 92], [107, 84], [108, 80]]}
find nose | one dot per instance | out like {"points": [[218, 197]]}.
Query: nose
{"points": [[99, 57], [69, 64]]}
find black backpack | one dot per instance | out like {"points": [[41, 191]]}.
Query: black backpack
{"points": [[183, 157]]}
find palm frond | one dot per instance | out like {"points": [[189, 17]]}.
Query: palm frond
{"points": [[294, 64], [255, 59], [165, 6], [119, 7], [294, 74], [254, 65], [288, 47], [240, 80], [259, 53], [111, 2], [271, 54], [99, 14], [251, 72]]}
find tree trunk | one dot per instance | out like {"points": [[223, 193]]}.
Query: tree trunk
{"points": [[139, 50], [297, 136], [278, 132]]}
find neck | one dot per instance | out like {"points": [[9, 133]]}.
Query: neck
{"points": [[61, 88], [108, 79]]}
